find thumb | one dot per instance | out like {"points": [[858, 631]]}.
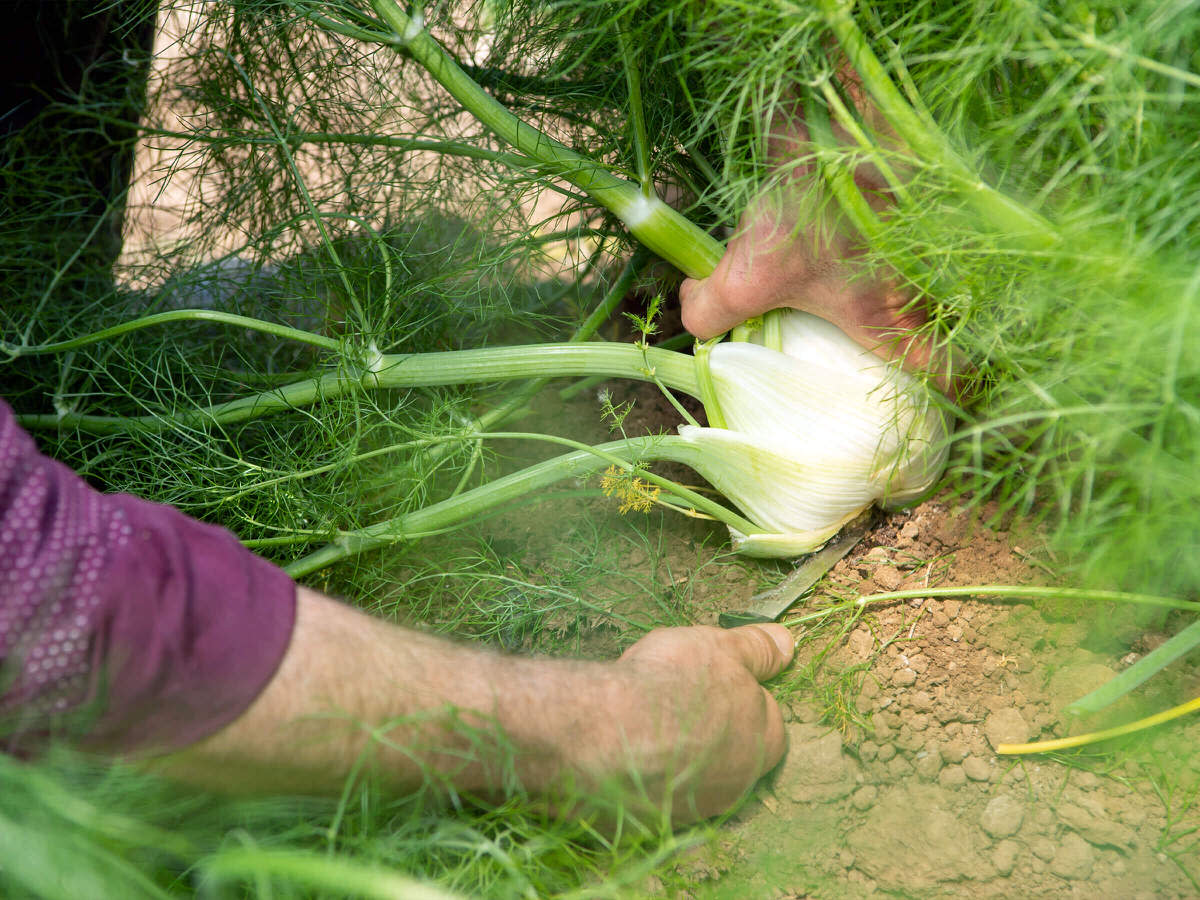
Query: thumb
{"points": [[763, 649], [702, 315]]}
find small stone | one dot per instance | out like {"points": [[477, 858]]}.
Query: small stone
{"points": [[887, 577], [1004, 857], [864, 797], [1006, 726], [952, 777], [954, 751], [954, 632], [976, 768], [815, 769], [860, 643], [940, 619], [1002, 817], [904, 677], [921, 702], [868, 750], [1043, 847], [886, 752], [846, 858], [1074, 858]]}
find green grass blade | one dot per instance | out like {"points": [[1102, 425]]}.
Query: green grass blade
{"points": [[1146, 667]]}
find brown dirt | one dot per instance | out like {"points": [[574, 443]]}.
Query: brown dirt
{"points": [[915, 802]]}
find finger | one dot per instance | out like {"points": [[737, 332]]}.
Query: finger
{"points": [[763, 649], [703, 313], [694, 310]]}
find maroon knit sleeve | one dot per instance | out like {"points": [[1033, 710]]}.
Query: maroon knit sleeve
{"points": [[125, 626]]}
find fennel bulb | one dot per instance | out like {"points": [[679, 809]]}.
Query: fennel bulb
{"points": [[816, 432]]}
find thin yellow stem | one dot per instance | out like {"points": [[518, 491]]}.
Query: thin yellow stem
{"points": [[1094, 737]]}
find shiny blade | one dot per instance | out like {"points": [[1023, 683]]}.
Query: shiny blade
{"points": [[772, 603]]}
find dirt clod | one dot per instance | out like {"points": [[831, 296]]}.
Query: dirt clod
{"points": [[1007, 726], [816, 769], [1088, 817], [1002, 817], [1074, 858], [976, 768], [940, 848]]}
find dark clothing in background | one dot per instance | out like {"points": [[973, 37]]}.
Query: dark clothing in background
{"points": [[124, 623], [59, 54]]}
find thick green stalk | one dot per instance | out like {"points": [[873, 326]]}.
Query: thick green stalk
{"points": [[708, 388], [846, 119], [854, 205], [676, 370], [460, 510], [1003, 212], [651, 221]]}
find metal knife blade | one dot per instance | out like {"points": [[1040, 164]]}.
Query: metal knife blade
{"points": [[769, 605]]}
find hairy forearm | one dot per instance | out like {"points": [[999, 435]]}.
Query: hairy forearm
{"points": [[680, 720], [353, 689]]}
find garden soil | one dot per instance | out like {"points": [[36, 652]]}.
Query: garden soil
{"points": [[914, 801], [891, 785]]}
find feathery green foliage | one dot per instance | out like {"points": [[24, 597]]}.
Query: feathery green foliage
{"points": [[1045, 190]]}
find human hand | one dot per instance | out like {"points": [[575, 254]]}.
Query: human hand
{"points": [[791, 251], [775, 260], [689, 723], [680, 717]]}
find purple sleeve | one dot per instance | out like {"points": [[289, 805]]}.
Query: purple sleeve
{"points": [[125, 626]]}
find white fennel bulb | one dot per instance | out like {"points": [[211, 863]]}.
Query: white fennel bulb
{"points": [[815, 434]]}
